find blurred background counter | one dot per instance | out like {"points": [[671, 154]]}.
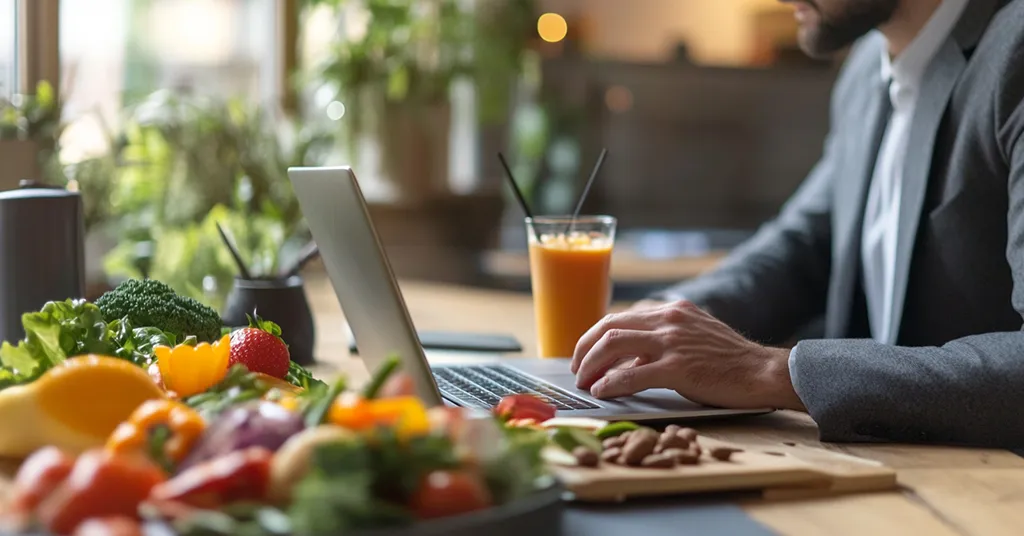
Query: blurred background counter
{"points": [[172, 115]]}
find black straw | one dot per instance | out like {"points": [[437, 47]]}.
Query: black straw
{"points": [[586, 188], [308, 253], [518, 192], [242, 270]]}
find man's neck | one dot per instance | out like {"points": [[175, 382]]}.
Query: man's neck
{"points": [[908, 21]]}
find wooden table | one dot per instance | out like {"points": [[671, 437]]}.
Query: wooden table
{"points": [[946, 491]]}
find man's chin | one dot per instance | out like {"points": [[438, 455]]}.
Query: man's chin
{"points": [[812, 44]]}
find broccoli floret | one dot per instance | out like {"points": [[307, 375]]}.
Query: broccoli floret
{"points": [[151, 303]]}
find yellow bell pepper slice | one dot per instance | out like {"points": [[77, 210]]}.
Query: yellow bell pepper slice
{"points": [[190, 370]]}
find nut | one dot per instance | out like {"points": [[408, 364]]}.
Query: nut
{"points": [[688, 433], [611, 455], [661, 461], [723, 454], [672, 429], [613, 442], [640, 444], [585, 457], [695, 449], [682, 456], [671, 441]]}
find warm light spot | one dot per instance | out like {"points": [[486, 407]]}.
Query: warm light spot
{"points": [[335, 110], [552, 27], [619, 99]]}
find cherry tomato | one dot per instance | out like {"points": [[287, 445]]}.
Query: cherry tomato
{"points": [[109, 526], [398, 386], [449, 493], [38, 476], [518, 407]]}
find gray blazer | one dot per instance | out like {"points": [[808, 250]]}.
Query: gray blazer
{"points": [[956, 374]]}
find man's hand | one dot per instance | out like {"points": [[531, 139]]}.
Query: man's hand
{"points": [[644, 305], [678, 346]]}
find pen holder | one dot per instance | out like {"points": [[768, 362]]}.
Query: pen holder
{"points": [[282, 301]]}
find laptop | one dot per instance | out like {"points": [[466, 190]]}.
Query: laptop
{"points": [[359, 271]]}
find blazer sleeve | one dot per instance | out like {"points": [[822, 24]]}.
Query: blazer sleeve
{"points": [[969, 391]]}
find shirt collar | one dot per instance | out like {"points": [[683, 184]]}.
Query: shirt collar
{"points": [[909, 67]]}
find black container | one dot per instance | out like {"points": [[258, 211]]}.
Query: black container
{"points": [[42, 252], [280, 301]]}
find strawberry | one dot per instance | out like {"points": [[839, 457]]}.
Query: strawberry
{"points": [[260, 348]]}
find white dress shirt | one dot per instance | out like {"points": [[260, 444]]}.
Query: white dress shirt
{"points": [[881, 216]]}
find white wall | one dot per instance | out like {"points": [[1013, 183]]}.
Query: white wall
{"points": [[716, 31]]}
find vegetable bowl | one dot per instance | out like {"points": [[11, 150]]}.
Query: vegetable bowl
{"points": [[328, 460], [141, 414]]}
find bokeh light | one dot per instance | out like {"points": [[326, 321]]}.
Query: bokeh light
{"points": [[552, 27], [335, 110]]}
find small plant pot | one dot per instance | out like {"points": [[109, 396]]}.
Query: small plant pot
{"points": [[282, 301]]}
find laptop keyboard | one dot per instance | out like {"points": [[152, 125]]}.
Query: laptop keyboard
{"points": [[483, 386]]}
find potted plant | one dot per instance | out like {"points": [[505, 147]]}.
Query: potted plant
{"points": [[394, 74], [29, 128], [186, 164]]}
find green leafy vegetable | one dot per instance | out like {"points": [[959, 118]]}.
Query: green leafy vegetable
{"points": [[319, 405], [569, 438], [136, 344], [380, 376], [151, 303], [301, 377], [615, 429], [515, 471], [238, 386], [358, 485], [58, 331]]}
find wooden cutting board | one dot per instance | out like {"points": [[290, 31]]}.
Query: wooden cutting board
{"points": [[783, 473]]}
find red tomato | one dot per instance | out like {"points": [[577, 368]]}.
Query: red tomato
{"points": [[38, 476], [518, 407], [449, 493], [110, 526], [398, 386], [101, 484], [238, 476]]}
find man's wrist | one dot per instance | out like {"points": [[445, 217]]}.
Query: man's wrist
{"points": [[779, 390]]}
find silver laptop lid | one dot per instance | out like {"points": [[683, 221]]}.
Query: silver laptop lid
{"points": [[360, 273]]}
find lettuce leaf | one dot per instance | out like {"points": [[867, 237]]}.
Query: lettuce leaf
{"points": [[58, 331]]}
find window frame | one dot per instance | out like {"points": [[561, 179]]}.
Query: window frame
{"points": [[37, 47]]}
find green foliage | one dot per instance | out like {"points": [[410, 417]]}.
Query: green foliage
{"points": [[413, 50], [58, 331], [136, 344], [185, 163], [152, 303], [31, 117], [237, 387]]}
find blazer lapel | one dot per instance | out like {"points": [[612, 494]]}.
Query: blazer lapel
{"points": [[851, 196], [936, 90]]}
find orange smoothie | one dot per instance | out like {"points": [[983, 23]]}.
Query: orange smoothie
{"points": [[571, 284]]}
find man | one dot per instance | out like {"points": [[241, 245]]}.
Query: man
{"points": [[908, 236]]}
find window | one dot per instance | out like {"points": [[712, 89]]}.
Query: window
{"points": [[8, 47], [115, 52]]}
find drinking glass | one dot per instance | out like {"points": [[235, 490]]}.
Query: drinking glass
{"points": [[570, 275]]}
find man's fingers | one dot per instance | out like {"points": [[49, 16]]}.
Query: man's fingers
{"points": [[615, 345], [630, 381], [632, 320]]}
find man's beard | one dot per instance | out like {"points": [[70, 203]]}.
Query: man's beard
{"points": [[836, 31]]}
